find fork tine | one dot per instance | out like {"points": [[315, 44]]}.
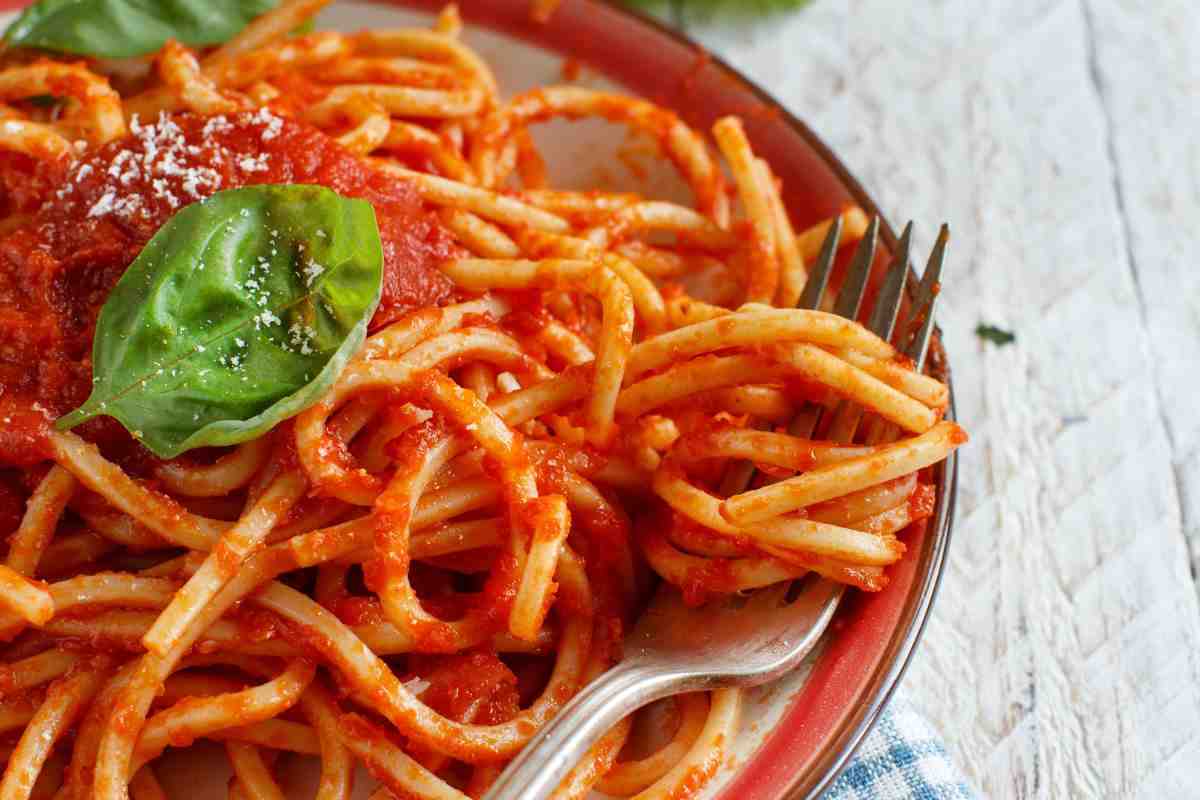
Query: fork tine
{"points": [[887, 301], [814, 287], [921, 323], [739, 474], [882, 321], [855, 283], [849, 299], [919, 327]]}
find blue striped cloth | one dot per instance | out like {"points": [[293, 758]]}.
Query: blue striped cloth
{"points": [[903, 758]]}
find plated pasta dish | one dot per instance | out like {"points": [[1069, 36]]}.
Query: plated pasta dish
{"points": [[332, 428]]}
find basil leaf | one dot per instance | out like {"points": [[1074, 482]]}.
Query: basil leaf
{"points": [[239, 313], [997, 336], [124, 28]]}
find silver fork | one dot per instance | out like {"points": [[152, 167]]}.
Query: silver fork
{"points": [[739, 640]]}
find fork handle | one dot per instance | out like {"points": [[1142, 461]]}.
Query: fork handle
{"points": [[541, 766]]}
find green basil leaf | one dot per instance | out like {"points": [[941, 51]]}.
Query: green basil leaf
{"points": [[997, 336], [239, 313], [124, 28]]}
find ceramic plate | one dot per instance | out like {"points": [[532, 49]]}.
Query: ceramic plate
{"points": [[799, 732]]}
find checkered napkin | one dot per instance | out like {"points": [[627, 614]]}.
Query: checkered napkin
{"points": [[903, 758]]}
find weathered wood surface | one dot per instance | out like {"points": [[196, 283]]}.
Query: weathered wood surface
{"points": [[1060, 140]]}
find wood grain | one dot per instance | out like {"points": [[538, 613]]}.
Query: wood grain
{"points": [[1059, 140]]}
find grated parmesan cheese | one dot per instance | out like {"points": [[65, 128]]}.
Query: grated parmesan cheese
{"points": [[215, 125], [312, 271], [259, 163], [266, 318], [272, 125], [159, 167], [302, 337], [104, 206]]}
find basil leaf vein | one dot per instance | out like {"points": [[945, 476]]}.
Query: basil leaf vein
{"points": [[239, 313], [125, 28]]}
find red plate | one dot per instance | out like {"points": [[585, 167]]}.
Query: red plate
{"points": [[874, 635]]}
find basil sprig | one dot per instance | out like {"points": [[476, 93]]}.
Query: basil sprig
{"points": [[239, 313], [124, 28], [995, 335]]}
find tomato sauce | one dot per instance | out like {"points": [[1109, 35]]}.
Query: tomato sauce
{"points": [[469, 687], [76, 226]]}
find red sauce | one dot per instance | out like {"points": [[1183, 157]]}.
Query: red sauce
{"points": [[472, 687], [500, 590], [359, 611], [12, 501], [89, 220], [958, 436], [254, 624], [922, 501], [571, 69]]}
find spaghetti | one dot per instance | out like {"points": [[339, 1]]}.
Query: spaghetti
{"points": [[421, 568]]}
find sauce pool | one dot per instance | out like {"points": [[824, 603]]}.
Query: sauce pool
{"points": [[77, 225]]}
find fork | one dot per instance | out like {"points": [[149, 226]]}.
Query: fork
{"points": [[738, 640]]}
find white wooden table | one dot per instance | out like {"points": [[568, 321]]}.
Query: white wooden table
{"points": [[1061, 140]]}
